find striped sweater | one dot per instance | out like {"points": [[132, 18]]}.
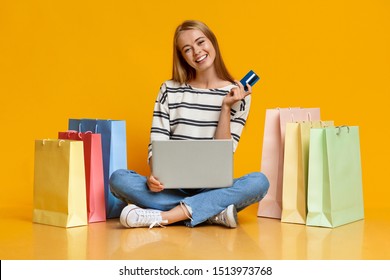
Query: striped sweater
{"points": [[182, 112]]}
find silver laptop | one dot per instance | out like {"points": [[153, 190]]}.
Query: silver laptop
{"points": [[193, 163]]}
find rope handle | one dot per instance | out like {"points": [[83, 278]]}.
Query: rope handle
{"points": [[340, 127], [59, 142], [96, 128]]}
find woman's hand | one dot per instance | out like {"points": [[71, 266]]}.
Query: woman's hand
{"points": [[154, 184], [236, 94]]}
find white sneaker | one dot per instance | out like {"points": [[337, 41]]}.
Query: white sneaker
{"points": [[227, 217], [134, 216]]}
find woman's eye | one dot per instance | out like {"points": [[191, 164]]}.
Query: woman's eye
{"points": [[187, 50]]}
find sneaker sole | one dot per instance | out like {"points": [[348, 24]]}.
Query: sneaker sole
{"points": [[232, 215]]}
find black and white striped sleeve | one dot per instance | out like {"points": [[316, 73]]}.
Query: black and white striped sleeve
{"points": [[160, 129], [239, 115]]}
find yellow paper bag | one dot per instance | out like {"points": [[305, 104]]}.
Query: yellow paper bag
{"points": [[295, 170], [59, 183]]}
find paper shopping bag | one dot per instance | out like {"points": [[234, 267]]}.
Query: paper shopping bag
{"points": [[113, 134], [59, 183], [272, 158], [296, 156], [335, 194], [94, 177]]}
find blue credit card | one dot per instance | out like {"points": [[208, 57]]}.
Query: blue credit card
{"points": [[251, 78]]}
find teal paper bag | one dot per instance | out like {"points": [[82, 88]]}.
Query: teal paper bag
{"points": [[335, 193]]}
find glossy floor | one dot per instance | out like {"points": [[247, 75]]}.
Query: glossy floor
{"points": [[255, 238]]}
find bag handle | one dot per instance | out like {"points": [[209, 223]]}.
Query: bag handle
{"points": [[96, 128], [324, 124], [292, 115], [308, 117], [340, 127], [70, 132], [79, 134], [59, 142]]}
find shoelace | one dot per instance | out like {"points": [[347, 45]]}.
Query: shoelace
{"points": [[149, 217], [157, 224]]}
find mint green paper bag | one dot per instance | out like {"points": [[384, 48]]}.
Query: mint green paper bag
{"points": [[335, 192]]}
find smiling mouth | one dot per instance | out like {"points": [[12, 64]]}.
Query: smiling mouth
{"points": [[201, 58]]}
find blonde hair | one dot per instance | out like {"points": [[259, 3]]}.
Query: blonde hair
{"points": [[181, 71]]}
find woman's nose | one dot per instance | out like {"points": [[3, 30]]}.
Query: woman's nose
{"points": [[197, 50]]}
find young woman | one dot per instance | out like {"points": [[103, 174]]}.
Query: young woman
{"points": [[201, 101]]}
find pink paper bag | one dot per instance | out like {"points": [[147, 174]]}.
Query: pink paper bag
{"points": [[94, 176], [272, 159]]}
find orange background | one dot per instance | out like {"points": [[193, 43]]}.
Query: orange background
{"points": [[107, 59]]}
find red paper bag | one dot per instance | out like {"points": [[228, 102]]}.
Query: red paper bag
{"points": [[94, 176]]}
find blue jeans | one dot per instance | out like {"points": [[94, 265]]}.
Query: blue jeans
{"points": [[131, 187]]}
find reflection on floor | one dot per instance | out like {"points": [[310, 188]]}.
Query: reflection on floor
{"points": [[255, 238]]}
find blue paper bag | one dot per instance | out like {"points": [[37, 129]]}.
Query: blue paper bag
{"points": [[113, 134]]}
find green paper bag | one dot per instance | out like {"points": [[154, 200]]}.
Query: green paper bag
{"points": [[335, 192]]}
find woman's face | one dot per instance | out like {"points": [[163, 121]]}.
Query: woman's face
{"points": [[197, 49]]}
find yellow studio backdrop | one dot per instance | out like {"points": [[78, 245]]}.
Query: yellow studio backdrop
{"points": [[107, 59]]}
